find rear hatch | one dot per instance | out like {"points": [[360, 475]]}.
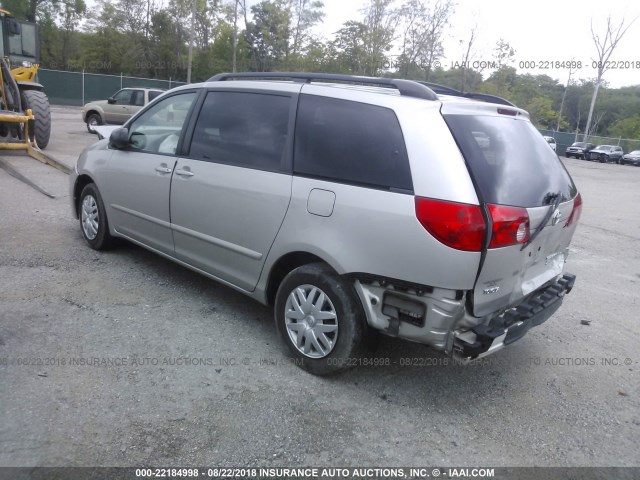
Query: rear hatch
{"points": [[527, 197]]}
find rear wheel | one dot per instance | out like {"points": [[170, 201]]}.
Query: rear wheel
{"points": [[320, 319], [38, 102]]}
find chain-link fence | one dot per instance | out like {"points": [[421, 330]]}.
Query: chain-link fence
{"points": [[78, 88], [566, 139]]}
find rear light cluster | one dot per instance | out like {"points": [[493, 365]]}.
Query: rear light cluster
{"points": [[575, 213], [510, 226], [462, 226]]}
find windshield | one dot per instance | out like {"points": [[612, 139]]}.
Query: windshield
{"points": [[579, 144], [510, 162]]}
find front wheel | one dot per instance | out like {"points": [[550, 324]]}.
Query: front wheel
{"points": [[38, 102], [320, 319], [93, 120], [93, 219]]}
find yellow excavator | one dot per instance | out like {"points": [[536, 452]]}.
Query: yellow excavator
{"points": [[25, 117]]}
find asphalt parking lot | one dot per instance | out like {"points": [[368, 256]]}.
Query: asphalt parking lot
{"points": [[126, 359]]}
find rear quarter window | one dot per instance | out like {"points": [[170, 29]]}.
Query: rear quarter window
{"points": [[350, 142]]}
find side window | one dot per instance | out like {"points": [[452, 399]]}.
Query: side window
{"points": [[350, 142], [29, 39], [242, 129], [123, 97], [158, 129], [153, 94], [137, 98]]}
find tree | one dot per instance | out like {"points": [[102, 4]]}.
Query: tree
{"points": [[380, 21], [268, 35], [347, 50], [436, 21], [503, 53], [304, 15], [467, 56], [564, 94], [422, 34], [605, 46], [71, 12], [626, 128], [541, 112]]}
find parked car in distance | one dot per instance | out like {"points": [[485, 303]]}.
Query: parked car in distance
{"points": [[631, 158], [579, 150], [606, 153], [119, 108], [551, 141], [442, 231]]}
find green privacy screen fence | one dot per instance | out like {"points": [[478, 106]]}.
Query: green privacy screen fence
{"points": [[78, 88]]}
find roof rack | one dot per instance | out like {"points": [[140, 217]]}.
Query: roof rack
{"points": [[485, 97], [407, 88]]}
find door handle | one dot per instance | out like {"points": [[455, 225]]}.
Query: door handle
{"points": [[184, 173], [163, 169]]}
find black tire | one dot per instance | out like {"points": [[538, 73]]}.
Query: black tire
{"points": [[351, 337], [602, 158], [38, 102], [95, 119], [102, 239]]}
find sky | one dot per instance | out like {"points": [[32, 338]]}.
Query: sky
{"points": [[542, 32]]}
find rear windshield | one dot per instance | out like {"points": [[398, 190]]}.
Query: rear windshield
{"points": [[510, 162]]}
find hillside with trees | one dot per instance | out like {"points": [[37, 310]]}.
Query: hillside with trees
{"points": [[149, 38]]}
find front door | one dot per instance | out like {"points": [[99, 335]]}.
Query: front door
{"points": [[139, 178]]}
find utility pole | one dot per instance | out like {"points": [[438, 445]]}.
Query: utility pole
{"points": [[564, 94], [193, 26], [235, 35]]}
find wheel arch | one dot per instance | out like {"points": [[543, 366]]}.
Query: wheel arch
{"points": [[30, 86], [81, 182], [283, 266], [96, 111]]}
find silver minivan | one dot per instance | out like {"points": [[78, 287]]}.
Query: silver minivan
{"points": [[352, 205]]}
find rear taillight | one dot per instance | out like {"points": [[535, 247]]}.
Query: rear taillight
{"points": [[510, 226], [462, 226], [575, 213], [457, 225]]}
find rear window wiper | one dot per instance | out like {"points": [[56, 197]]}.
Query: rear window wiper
{"points": [[556, 198]]}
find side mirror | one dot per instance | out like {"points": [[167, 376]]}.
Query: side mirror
{"points": [[111, 101], [119, 138]]}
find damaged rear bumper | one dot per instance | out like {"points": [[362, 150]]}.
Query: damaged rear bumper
{"points": [[484, 339]]}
